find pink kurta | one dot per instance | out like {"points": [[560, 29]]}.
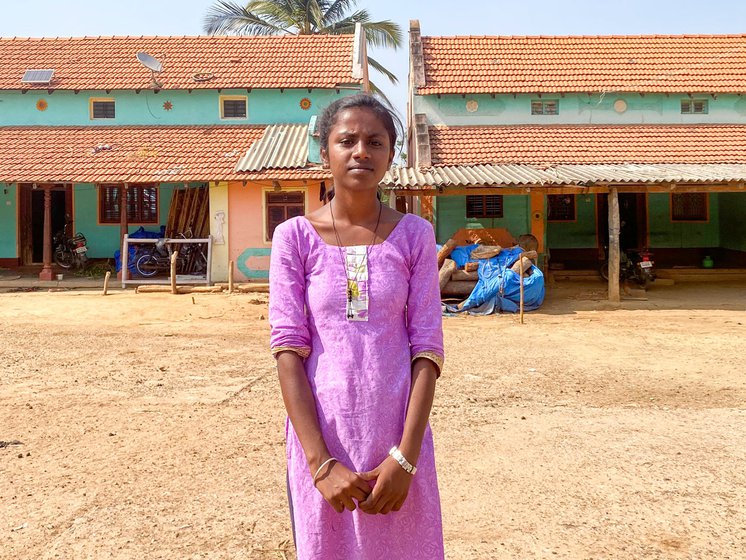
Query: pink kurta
{"points": [[360, 375]]}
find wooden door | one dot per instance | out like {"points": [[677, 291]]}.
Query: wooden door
{"points": [[31, 218]]}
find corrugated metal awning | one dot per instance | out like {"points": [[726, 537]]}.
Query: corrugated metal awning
{"points": [[282, 146], [585, 175]]}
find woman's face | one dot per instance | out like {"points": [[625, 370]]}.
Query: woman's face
{"points": [[359, 151]]}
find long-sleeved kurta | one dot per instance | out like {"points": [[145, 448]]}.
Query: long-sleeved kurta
{"points": [[360, 376]]}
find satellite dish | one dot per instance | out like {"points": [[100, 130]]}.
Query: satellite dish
{"points": [[149, 62]]}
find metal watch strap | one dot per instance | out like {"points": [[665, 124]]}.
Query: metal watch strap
{"points": [[399, 458]]}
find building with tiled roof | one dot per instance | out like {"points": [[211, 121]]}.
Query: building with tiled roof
{"points": [[82, 118], [539, 134], [188, 63]]}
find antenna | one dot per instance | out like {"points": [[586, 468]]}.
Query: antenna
{"points": [[152, 64]]}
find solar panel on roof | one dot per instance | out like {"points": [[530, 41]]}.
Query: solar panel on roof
{"points": [[37, 76]]}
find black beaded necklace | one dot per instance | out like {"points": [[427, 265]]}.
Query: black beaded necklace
{"points": [[344, 261]]}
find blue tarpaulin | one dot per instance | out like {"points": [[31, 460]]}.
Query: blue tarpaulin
{"points": [[140, 233], [498, 287]]}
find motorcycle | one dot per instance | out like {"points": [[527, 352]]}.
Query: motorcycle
{"points": [[189, 259], [635, 264], [70, 252]]}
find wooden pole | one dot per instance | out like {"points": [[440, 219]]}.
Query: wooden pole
{"points": [[159, 289], [230, 277], [46, 271], [392, 200], [614, 251], [174, 256], [520, 273], [106, 282]]}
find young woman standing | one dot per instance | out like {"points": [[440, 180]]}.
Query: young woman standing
{"points": [[357, 333]]}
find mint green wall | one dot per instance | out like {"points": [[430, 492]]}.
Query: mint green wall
{"points": [[103, 240], [8, 221], [580, 234], [663, 233], [450, 212], [577, 109], [201, 107], [732, 220]]}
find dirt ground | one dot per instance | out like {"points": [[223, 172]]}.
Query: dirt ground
{"points": [[151, 426]]}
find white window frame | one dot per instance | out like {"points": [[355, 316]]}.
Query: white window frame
{"points": [[544, 103], [691, 107]]}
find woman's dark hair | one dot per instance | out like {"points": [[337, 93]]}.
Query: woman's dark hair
{"points": [[328, 117]]}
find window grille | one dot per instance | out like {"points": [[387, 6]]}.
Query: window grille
{"points": [[142, 204], [561, 208], [484, 206], [545, 107], [693, 106], [689, 207], [234, 108], [103, 110]]}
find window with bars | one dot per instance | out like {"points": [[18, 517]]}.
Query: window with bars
{"points": [[545, 107], [233, 107], [561, 208], [693, 106], [282, 206], [103, 109], [142, 204], [689, 207], [484, 206]]}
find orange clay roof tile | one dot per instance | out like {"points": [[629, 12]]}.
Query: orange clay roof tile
{"points": [[306, 61], [133, 154], [655, 63], [587, 144]]}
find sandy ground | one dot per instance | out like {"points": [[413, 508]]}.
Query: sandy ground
{"points": [[151, 426]]}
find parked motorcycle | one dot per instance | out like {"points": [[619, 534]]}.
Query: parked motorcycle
{"points": [[190, 259], [635, 264], [70, 252]]}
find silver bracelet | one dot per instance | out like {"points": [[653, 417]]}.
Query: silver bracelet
{"points": [[399, 458], [321, 466]]}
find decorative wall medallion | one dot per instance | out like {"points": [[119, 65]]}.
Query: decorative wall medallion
{"points": [[620, 105], [42, 105], [472, 105], [167, 106], [305, 104]]}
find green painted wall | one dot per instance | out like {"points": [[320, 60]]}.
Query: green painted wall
{"points": [[580, 234], [577, 109], [201, 107], [103, 240], [450, 214], [732, 220], [8, 223], [663, 233]]}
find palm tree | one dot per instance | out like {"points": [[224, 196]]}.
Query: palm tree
{"points": [[303, 17]]}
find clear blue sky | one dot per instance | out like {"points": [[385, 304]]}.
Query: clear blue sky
{"points": [[53, 18]]}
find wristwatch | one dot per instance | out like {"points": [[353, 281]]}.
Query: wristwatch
{"points": [[399, 458]]}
